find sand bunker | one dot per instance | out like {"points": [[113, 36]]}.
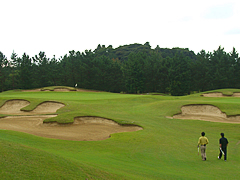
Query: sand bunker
{"points": [[58, 89], [47, 107], [220, 95], [61, 90], [55, 89], [82, 129], [206, 113], [14, 107]]}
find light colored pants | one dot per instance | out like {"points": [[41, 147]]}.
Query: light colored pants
{"points": [[203, 152]]}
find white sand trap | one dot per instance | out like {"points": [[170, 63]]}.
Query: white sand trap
{"points": [[220, 95], [236, 95], [47, 107], [83, 128], [13, 107], [206, 113], [61, 89], [55, 89]]}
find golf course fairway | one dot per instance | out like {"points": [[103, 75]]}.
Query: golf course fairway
{"points": [[156, 138]]}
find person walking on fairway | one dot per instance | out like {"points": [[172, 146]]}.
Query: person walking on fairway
{"points": [[223, 143], [202, 142]]}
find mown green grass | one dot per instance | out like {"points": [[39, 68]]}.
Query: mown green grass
{"points": [[165, 149]]}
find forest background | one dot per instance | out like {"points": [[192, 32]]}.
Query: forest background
{"points": [[133, 68]]}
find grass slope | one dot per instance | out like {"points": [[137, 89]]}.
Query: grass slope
{"points": [[165, 149]]}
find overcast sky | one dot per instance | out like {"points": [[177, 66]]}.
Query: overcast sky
{"points": [[58, 26]]}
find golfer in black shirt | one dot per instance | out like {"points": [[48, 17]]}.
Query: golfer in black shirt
{"points": [[223, 142]]}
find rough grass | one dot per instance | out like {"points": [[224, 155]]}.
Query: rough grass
{"points": [[165, 149]]}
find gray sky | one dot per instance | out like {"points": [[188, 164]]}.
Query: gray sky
{"points": [[58, 26]]}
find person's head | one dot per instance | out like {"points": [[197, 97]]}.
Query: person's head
{"points": [[222, 134], [203, 133]]}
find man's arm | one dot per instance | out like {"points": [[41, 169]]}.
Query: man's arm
{"points": [[198, 142], [207, 141]]}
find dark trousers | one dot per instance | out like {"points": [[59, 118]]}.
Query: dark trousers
{"points": [[224, 149]]}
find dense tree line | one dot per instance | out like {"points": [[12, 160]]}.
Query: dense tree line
{"points": [[133, 68]]}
